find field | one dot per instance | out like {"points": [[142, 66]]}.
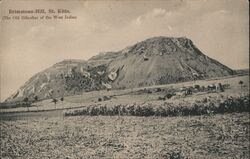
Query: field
{"points": [[219, 136], [42, 131]]}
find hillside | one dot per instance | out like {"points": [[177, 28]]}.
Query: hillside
{"points": [[164, 60], [158, 60], [65, 78]]}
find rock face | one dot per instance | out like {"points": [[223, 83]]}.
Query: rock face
{"points": [[158, 60]]}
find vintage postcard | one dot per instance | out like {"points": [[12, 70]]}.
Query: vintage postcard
{"points": [[124, 79]]}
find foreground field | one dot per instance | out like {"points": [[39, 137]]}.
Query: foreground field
{"points": [[218, 136]]}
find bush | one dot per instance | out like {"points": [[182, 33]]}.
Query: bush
{"points": [[161, 98], [105, 98], [169, 95], [158, 90], [99, 99], [228, 105], [197, 86]]}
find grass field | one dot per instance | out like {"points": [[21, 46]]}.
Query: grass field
{"points": [[49, 134]]}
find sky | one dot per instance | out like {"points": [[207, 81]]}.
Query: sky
{"points": [[219, 28]]}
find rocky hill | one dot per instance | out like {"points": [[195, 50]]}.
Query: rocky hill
{"points": [[158, 60]]}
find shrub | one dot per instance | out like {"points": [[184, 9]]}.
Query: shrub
{"points": [[131, 110], [228, 105], [161, 98], [169, 95], [105, 98], [54, 100], [99, 99], [158, 90], [197, 86], [174, 155]]}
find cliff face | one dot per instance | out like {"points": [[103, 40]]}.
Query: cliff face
{"points": [[158, 60]]}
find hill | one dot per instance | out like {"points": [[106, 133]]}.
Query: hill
{"points": [[157, 60], [162, 60], [242, 72]]}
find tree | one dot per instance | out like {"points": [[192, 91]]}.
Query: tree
{"points": [[241, 83], [26, 100], [54, 100], [36, 98], [62, 99]]}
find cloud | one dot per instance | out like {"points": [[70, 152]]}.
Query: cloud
{"points": [[138, 20], [41, 32], [158, 12], [223, 11], [170, 28]]}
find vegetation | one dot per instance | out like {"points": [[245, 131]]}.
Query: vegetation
{"points": [[35, 98], [26, 101], [206, 137], [241, 83], [54, 100], [204, 106], [11, 105], [62, 99]]}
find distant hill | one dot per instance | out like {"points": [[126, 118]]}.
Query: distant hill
{"points": [[157, 60], [242, 71]]}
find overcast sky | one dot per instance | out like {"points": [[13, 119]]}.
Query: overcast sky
{"points": [[219, 28]]}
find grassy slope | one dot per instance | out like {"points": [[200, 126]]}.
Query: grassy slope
{"points": [[219, 136]]}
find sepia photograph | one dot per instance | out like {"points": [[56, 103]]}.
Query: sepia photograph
{"points": [[124, 79]]}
